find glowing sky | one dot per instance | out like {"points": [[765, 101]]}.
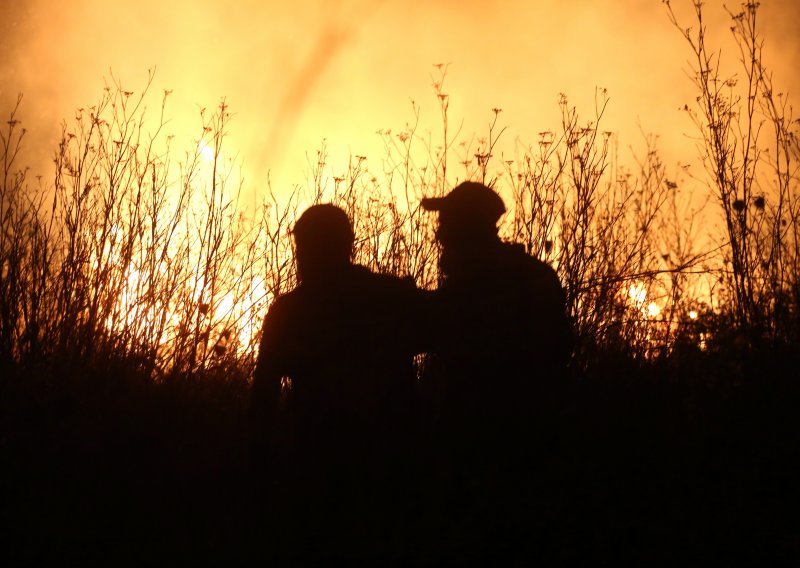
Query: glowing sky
{"points": [[297, 72]]}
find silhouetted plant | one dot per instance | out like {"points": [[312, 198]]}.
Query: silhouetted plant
{"points": [[137, 255], [164, 268], [749, 146], [134, 253]]}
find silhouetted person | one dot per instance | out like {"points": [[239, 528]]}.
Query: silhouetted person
{"points": [[334, 444], [503, 338]]}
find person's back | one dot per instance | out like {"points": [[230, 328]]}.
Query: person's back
{"points": [[347, 346], [503, 341], [503, 328], [503, 338], [332, 403], [503, 325]]}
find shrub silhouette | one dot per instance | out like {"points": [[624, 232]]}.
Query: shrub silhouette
{"points": [[135, 253]]}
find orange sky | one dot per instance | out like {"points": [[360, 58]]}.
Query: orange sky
{"points": [[295, 73]]}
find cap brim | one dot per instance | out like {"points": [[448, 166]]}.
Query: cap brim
{"points": [[433, 203]]}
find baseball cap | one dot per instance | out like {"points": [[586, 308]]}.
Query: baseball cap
{"points": [[469, 201]]}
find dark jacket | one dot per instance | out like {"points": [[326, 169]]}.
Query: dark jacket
{"points": [[503, 327], [347, 346]]}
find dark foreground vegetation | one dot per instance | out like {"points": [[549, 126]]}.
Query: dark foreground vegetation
{"points": [[133, 284], [694, 463]]}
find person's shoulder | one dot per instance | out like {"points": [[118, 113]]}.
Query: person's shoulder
{"points": [[399, 292], [385, 281], [285, 304], [287, 298], [535, 268], [518, 256]]}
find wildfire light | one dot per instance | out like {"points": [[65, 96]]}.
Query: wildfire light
{"points": [[206, 151], [638, 294]]}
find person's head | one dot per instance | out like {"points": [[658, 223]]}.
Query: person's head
{"points": [[468, 215], [323, 239]]}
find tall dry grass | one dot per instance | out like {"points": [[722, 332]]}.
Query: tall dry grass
{"points": [[749, 145], [140, 247]]}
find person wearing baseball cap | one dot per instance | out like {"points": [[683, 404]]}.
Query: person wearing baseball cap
{"points": [[502, 334]]}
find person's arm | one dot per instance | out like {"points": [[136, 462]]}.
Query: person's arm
{"points": [[413, 316], [559, 341], [265, 394]]}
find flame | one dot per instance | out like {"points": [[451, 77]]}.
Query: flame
{"points": [[220, 311], [205, 151], [638, 294]]}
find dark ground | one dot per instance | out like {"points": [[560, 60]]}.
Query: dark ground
{"points": [[690, 464]]}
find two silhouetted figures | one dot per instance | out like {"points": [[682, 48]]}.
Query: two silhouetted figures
{"points": [[356, 451]]}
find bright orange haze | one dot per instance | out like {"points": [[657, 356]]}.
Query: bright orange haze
{"points": [[297, 73]]}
